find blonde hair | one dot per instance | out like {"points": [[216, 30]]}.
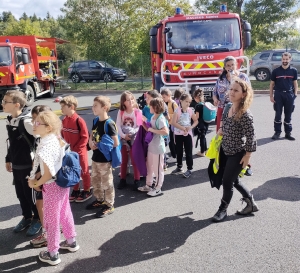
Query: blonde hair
{"points": [[69, 101], [17, 97], [103, 101], [247, 100], [50, 119], [123, 99]]}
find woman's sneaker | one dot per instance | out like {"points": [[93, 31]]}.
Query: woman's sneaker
{"points": [[145, 188], [187, 174], [71, 247], [106, 210], [39, 241], [46, 258], [24, 223], [154, 192], [84, 196], [74, 195]]}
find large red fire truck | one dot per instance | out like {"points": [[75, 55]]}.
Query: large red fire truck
{"points": [[29, 64], [188, 50]]}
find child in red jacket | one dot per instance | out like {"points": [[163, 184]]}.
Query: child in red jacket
{"points": [[75, 133]]}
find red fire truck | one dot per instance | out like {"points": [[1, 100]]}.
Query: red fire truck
{"points": [[188, 50], [29, 64]]}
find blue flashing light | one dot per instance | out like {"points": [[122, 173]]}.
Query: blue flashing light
{"points": [[223, 8], [178, 11], [7, 40]]}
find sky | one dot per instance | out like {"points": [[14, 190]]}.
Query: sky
{"points": [[40, 7]]}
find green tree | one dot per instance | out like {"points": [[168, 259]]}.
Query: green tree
{"points": [[24, 16]]}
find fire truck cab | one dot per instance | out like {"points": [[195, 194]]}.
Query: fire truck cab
{"points": [[29, 64], [188, 50]]}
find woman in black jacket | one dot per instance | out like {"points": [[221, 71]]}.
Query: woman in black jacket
{"points": [[238, 143]]}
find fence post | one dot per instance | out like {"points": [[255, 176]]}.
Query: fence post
{"points": [[142, 72]]}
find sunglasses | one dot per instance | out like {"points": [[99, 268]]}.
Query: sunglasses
{"points": [[37, 123]]}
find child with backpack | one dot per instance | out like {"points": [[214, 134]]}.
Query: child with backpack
{"points": [[184, 134], [75, 132], [172, 106], [19, 157], [56, 205], [129, 115], [102, 177], [177, 94], [202, 127], [156, 149]]}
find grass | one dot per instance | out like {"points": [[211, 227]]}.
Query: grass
{"points": [[147, 85]]}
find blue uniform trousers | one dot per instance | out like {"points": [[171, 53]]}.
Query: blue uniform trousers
{"points": [[283, 100]]}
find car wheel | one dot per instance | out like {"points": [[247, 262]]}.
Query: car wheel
{"points": [[262, 74], [52, 90], [120, 80], [107, 77], [89, 80], [30, 95], [76, 78]]}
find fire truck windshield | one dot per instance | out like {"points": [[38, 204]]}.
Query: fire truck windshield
{"points": [[202, 36], [5, 56]]}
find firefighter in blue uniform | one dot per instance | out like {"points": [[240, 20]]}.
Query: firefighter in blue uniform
{"points": [[284, 83]]}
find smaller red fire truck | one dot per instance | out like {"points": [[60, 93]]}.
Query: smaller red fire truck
{"points": [[188, 50], [29, 64]]}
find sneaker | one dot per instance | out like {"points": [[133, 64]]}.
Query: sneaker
{"points": [[154, 192], [71, 247], [249, 171], [165, 167], [201, 154], [289, 136], [24, 223], [177, 171], [34, 228], [145, 188], [122, 184], [39, 241], [46, 258], [171, 160], [276, 136], [106, 210], [95, 205], [74, 195], [187, 174], [83, 196]]}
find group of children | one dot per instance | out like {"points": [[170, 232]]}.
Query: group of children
{"points": [[37, 144]]}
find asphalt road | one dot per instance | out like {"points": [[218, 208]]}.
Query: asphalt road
{"points": [[173, 232]]}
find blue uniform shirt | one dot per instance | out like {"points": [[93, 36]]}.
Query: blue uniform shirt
{"points": [[284, 78]]}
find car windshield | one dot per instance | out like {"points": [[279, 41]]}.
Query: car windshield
{"points": [[5, 56], [104, 64], [203, 36]]}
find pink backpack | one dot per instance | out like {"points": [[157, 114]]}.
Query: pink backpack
{"points": [[138, 116]]}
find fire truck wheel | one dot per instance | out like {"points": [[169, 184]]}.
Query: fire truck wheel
{"points": [[52, 90], [30, 95], [107, 77]]}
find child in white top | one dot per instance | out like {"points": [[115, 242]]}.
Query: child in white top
{"points": [[128, 112], [156, 149], [184, 134], [56, 206]]}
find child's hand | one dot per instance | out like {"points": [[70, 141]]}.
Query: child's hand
{"points": [[188, 128], [8, 166], [144, 118], [37, 189], [127, 137], [31, 183], [150, 129], [92, 145], [38, 175], [220, 132]]}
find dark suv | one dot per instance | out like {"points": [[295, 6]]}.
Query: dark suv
{"points": [[263, 63], [95, 70]]}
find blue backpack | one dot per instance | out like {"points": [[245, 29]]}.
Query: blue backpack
{"points": [[114, 154], [70, 171]]}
